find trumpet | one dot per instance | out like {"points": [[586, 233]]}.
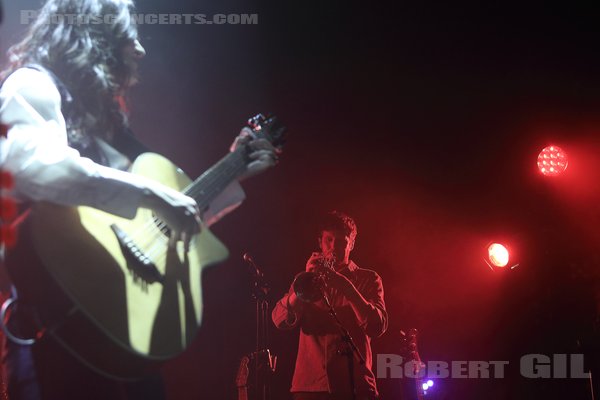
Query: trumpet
{"points": [[310, 286]]}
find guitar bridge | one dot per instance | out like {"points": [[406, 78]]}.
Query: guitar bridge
{"points": [[138, 263]]}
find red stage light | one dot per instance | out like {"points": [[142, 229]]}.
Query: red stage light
{"points": [[552, 161], [498, 255]]}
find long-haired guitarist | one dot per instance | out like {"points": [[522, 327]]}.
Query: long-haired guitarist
{"points": [[63, 97]]}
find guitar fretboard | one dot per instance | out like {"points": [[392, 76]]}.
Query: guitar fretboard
{"points": [[212, 182]]}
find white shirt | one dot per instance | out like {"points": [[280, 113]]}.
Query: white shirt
{"points": [[45, 168]]}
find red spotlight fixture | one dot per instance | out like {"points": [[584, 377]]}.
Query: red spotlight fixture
{"points": [[552, 161], [498, 255]]}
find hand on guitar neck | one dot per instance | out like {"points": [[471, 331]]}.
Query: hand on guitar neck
{"points": [[262, 155], [181, 213]]}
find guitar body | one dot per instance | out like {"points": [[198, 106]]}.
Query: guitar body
{"points": [[109, 289], [98, 298]]}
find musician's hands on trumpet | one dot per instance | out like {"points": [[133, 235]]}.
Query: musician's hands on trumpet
{"points": [[320, 274], [316, 260], [325, 265], [308, 285]]}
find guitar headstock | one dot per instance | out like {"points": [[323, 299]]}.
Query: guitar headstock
{"points": [[241, 378], [409, 347], [268, 127], [410, 351]]}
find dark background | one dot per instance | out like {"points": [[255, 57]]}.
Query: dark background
{"points": [[421, 120]]}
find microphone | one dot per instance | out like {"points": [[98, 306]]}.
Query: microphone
{"points": [[256, 271]]}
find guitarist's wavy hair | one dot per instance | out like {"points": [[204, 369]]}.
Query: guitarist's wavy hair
{"points": [[81, 42]]}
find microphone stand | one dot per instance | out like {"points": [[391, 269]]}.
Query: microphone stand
{"points": [[351, 346], [264, 361]]}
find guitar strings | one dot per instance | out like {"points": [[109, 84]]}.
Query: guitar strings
{"points": [[209, 178], [213, 182]]}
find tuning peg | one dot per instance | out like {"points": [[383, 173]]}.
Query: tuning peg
{"points": [[256, 122]]}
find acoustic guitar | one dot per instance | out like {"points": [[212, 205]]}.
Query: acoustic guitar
{"points": [[111, 290]]}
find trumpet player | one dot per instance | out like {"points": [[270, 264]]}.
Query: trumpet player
{"points": [[334, 295]]}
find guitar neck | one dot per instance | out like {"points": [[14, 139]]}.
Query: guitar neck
{"points": [[212, 182], [243, 393]]}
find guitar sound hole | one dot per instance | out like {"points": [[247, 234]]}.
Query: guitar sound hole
{"points": [[139, 263]]}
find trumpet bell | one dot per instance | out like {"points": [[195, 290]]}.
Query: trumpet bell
{"points": [[308, 286]]}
